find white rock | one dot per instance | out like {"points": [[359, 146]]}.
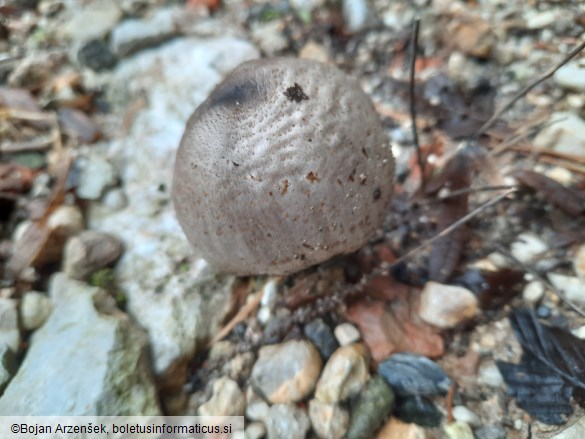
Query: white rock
{"points": [[9, 333], [92, 20], [89, 252], [573, 288], [533, 291], [446, 306], [35, 308], [180, 309], [490, 375], [255, 430], [566, 134], [269, 36], [527, 246], [458, 430], [83, 362], [346, 334], [286, 372], [355, 14], [463, 414], [269, 293], [256, 407], [344, 375], [329, 421], [287, 421], [134, 34], [226, 400], [96, 175], [571, 76], [579, 332], [538, 20]]}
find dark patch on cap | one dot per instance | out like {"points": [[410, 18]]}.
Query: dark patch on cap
{"points": [[377, 194], [295, 93], [235, 92]]}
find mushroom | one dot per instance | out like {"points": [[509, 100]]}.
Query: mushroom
{"points": [[284, 166]]}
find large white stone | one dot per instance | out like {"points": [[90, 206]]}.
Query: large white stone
{"points": [[87, 359]]}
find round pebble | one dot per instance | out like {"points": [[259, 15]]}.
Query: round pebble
{"points": [[346, 334], [533, 292], [35, 307], [463, 414], [446, 306], [286, 372], [344, 375]]}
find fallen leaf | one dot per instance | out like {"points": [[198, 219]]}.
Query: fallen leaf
{"points": [[393, 327], [552, 367], [77, 124], [570, 201]]}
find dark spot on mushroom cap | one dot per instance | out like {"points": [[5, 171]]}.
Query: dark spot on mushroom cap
{"points": [[295, 93], [251, 157]]}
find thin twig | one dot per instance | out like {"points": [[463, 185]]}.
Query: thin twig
{"points": [[413, 53], [470, 190], [452, 227], [540, 278], [526, 89]]}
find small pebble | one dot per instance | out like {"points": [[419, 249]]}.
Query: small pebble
{"points": [[35, 307], [571, 76], [463, 414], [227, 400], [579, 332], [255, 430], [256, 407], [395, 429], [573, 288], [344, 375], [355, 14], [533, 292], [329, 421], [458, 430], [373, 406], [490, 432], [490, 375], [269, 293], [527, 246], [543, 311], [346, 334], [286, 372], [446, 306], [322, 337], [89, 252], [564, 135], [287, 421]]}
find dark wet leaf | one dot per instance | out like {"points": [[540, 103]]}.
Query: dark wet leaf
{"points": [[493, 288], [538, 389], [554, 359], [412, 374], [446, 251], [567, 237], [570, 201]]}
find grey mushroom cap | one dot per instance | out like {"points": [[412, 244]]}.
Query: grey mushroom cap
{"points": [[284, 166]]}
